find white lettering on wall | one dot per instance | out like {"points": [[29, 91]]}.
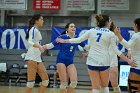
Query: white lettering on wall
{"points": [[21, 36], [12, 38], [9, 32]]}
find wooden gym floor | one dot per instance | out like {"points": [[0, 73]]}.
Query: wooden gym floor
{"points": [[16, 89]]}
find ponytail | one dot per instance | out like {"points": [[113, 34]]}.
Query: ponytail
{"points": [[64, 32], [101, 20], [31, 24]]}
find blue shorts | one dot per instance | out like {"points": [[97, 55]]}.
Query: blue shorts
{"points": [[137, 71], [99, 68], [64, 61]]}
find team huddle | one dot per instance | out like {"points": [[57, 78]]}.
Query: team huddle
{"points": [[102, 61]]}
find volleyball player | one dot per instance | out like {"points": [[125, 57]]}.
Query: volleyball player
{"points": [[98, 60], [33, 55], [114, 65], [134, 44], [65, 59]]}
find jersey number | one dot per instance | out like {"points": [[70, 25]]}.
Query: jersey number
{"points": [[99, 36]]}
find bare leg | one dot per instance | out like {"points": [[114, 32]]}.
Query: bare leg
{"points": [[72, 72], [44, 76], [62, 75], [55, 79], [31, 74], [114, 79], [104, 75], [95, 80]]}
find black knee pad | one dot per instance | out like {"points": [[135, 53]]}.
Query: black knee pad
{"points": [[133, 89]]}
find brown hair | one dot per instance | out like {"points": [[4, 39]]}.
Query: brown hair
{"points": [[66, 27], [112, 26], [32, 22], [101, 20], [137, 22]]}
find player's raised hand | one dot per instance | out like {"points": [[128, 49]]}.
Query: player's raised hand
{"points": [[117, 31]]}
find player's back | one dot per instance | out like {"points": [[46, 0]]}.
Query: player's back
{"points": [[99, 44], [100, 39]]}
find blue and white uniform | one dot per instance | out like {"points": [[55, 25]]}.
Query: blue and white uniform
{"points": [[134, 44], [113, 55], [33, 53], [100, 41], [66, 53]]}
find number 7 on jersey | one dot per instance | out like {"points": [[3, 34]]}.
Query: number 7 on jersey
{"points": [[99, 36]]}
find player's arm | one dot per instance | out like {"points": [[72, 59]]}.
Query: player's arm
{"points": [[130, 43], [31, 39], [85, 46], [80, 39], [126, 44], [84, 37], [119, 53], [52, 44]]}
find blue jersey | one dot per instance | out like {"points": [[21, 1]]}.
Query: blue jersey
{"points": [[67, 50]]}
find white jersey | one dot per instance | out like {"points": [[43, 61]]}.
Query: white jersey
{"points": [[34, 38], [134, 44], [113, 55], [100, 40]]}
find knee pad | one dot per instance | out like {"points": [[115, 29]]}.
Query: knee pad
{"points": [[117, 89], [73, 84], [63, 85], [30, 84], [44, 83], [105, 90], [95, 91]]}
